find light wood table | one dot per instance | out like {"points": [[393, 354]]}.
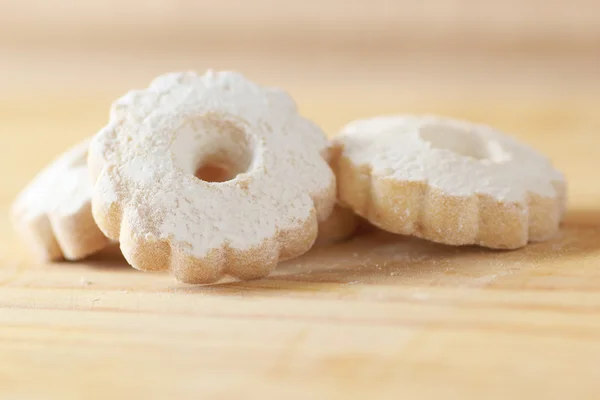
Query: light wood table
{"points": [[377, 317]]}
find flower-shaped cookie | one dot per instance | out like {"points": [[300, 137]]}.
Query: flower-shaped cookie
{"points": [[53, 213], [209, 176], [448, 181]]}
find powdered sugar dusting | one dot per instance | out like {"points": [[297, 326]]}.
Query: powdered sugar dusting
{"points": [[62, 188], [456, 157], [184, 121]]}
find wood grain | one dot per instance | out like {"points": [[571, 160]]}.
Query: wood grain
{"points": [[135, 21], [380, 316]]}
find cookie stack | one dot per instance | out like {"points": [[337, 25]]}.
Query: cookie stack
{"points": [[213, 175]]}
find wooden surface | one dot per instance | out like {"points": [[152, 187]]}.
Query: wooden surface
{"points": [[378, 317], [47, 42], [204, 23]]}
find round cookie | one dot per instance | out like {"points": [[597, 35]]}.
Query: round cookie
{"points": [[340, 225], [53, 213], [448, 181], [210, 176]]}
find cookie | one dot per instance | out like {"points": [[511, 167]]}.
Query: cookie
{"points": [[209, 176], [53, 213], [448, 181], [340, 225]]}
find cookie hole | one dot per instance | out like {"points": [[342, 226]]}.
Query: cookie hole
{"points": [[464, 142], [213, 148], [215, 171]]}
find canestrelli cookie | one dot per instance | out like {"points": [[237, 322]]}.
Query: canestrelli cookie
{"points": [[448, 181], [210, 175], [53, 213]]}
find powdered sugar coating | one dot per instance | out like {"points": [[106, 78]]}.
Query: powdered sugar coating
{"points": [[146, 192], [434, 150], [53, 213], [449, 181]]}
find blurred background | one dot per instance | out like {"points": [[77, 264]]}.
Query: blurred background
{"points": [[467, 44], [531, 67]]}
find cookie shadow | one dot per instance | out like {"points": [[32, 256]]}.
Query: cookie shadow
{"points": [[383, 258], [109, 258], [377, 257]]}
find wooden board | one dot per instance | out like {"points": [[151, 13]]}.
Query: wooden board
{"points": [[381, 24], [380, 316]]}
